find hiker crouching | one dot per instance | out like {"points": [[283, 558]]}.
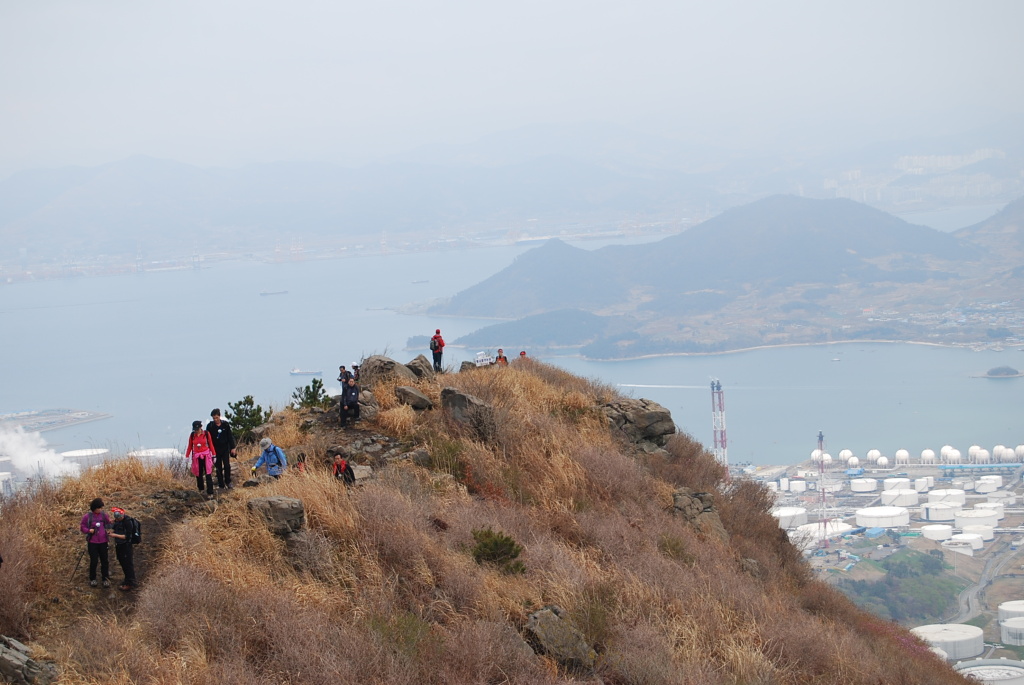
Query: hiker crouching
{"points": [[272, 457]]}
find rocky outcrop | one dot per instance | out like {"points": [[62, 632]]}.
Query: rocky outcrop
{"points": [[643, 422], [18, 668], [407, 394], [379, 368], [283, 515], [368, 407], [553, 635], [257, 480], [467, 366], [422, 367], [698, 509], [469, 411]]}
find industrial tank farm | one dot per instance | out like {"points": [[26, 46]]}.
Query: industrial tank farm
{"points": [[956, 640]]}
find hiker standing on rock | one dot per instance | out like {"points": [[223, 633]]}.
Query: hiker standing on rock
{"points": [[200, 449], [123, 533], [272, 457], [349, 406], [437, 348], [94, 527], [223, 447]]}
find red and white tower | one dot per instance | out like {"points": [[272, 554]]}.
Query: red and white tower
{"points": [[718, 422]]}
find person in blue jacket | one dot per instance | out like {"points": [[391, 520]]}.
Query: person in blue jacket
{"points": [[272, 457]]}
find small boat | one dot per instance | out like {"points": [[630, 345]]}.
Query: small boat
{"points": [[836, 359], [300, 372], [273, 292], [419, 282]]}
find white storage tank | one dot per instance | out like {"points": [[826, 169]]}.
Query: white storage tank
{"points": [[944, 450], [853, 462], [940, 511], [982, 457], [790, 517], [937, 531], [873, 456], [784, 484], [816, 455], [997, 507], [958, 547], [798, 486], [809, 534], [1018, 452], [953, 457], [992, 671], [904, 497], [902, 457], [921, 484], [976, 517], [772, 486], [955, 639], [987, 533], [927, 456], [1012, 631], [974, 540], [941, 653], [895, 483], [1007, 498], [883, 517], [863, 485], [983, 487], [1011, 609], [845, 454], [998, 480], [883, 462], [951, 495], [972, 451]]}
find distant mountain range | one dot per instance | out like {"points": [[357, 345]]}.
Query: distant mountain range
{"points": [[539, 180], [780, 270]]}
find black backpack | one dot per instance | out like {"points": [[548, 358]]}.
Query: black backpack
{"points": [[135, 536], [433, 345]]}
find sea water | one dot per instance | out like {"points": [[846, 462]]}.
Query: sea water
{"points": [[157, 350]]}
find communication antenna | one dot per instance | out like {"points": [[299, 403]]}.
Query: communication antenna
{"points": [[823, 508], [718, 422]]}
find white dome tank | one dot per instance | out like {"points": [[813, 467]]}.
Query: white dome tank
{"points": [[895, 483], [1011, 609], [975, 541], [883, 462], [863, 485], [976, 517], [873, 456], [921, 484], [937, 531], [1012, 631], [790, 517], [997, 507], [940, 511], [816, 455], [957, 640], [992, 671], [826, 459], [845, 454], [902, 457], [997, 452], [883, 517], [982, 457], [901, 497], [927, 456], [1009, 455], [1018, 452], [972, 451], [798, 486], [953, 457], [998, 480], [944, 450], [953, 495], [987, 533], [853, 462]]}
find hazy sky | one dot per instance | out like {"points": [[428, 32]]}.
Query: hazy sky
{"points": [[233, 81]]}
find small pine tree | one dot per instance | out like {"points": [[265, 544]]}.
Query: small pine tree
{"points": [[313, 395], [498, 549], [245, 415]]}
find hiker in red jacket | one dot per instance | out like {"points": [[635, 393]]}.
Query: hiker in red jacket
{"points": [[437, 347], [201, 450]]}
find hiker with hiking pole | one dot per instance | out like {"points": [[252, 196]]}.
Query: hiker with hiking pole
{"points": [[94, 526]]}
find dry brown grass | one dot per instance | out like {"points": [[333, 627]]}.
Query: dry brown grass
{"points": [[382, 586]]}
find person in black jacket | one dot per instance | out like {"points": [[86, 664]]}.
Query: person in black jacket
{"points": [[343, 376], [223, 446], [121, 532], [349, 402]]}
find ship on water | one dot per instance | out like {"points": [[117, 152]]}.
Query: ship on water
{"points": [[300, 372]]}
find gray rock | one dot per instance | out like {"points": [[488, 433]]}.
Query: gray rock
{"points": [[469, 411], [379, 368], [362, 472], [260, 432], [368, 407], [18, 668], [258, 480], [420, 457], [641, 421], [283, 515], [698, 509], [553, 635], [422, 367], [407, 394], [372, 448], [467, 366]]}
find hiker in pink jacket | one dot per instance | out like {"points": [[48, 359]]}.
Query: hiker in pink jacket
{"points": [[200, 449]]}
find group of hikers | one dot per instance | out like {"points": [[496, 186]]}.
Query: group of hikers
{"points": [[210, 450]]}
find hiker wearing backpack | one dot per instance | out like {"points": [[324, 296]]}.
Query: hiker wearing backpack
{"points": [[349, 402], [342, 470], [94, 526], [272, 457], [200, 449], [223, 447], [126, 533], [344, 375], [437, 348]]}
